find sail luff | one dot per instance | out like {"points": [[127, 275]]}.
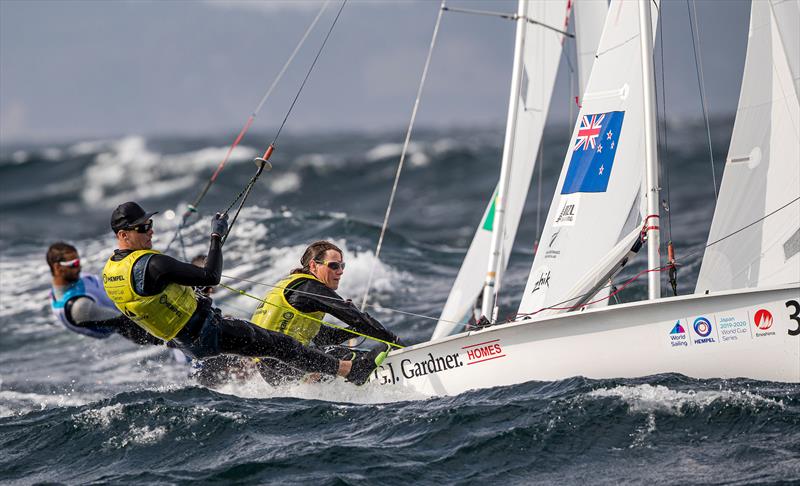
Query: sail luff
{"points": [[488, 304], [651, 157]]}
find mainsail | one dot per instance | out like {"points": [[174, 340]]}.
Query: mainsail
{"points": [[597, 202], [589, 18], [762, 171], [540, 54]]}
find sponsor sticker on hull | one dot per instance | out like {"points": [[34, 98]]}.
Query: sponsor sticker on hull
{"points": [[737, 326], [703, 330], [733, 327], [763, 323], [393, 372], [678, 337]]}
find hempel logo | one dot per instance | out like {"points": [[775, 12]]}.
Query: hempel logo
{"points": [[115, 278]]}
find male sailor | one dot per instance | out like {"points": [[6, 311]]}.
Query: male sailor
{"points": [[80, 303], [297, 304], [155, 291]]}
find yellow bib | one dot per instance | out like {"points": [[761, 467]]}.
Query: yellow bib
{"points": [[277, 314], [163, 315]]}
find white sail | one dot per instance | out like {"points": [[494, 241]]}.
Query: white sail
{"points": [[590, 15], [786, 13], [762, 171], [541, 52], [597, 195]]}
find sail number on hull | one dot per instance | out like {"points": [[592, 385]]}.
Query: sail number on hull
{"points": [[794, 316]]}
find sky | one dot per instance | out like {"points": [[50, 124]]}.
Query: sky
{"points": [[73, 70]]}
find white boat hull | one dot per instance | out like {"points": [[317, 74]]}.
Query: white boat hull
{"points": [[744, 333]]}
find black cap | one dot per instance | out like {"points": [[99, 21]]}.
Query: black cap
{"points": [[127, 215]]}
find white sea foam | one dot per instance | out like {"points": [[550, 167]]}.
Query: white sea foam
{"points": [[19, 403], [129, 162], [284, 182], [391, 150], [337, 390], [137, 436], [101, 417], [648, 398]]}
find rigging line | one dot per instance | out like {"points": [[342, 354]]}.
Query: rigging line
{"points": [[698, 62], [262, 161], [328, 324], [613, 294], [665, 142], [192, 208], [743, 227], [375, 306], [539, 194], [314, 63], [403, 153], [507, 16]]}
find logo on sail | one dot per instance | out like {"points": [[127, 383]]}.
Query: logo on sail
{"points": [[593, 153], [567, 212], [543, 281]]}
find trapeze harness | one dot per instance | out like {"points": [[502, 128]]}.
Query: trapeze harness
{"points": [[277, 314], [164, 314], [87, 286]]}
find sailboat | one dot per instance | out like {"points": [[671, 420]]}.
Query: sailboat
{"points": [[744, 320]]}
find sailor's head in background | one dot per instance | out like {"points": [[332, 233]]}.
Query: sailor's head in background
{"points": [[323, 260], [64, 263], [133, 227]]}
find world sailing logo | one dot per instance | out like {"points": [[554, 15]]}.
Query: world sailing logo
{"points": [[593, 153], [677, 337]]}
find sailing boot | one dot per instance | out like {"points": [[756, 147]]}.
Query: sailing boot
{"points": [[364, 365]]}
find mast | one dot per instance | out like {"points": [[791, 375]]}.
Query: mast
{"points": [[487, 306], [651, 221]]}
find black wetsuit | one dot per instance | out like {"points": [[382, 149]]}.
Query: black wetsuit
{"points": [[308, 295], [208, 333], [314, 296]]}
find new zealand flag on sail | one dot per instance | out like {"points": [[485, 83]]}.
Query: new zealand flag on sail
{"points": [[593, 153]]}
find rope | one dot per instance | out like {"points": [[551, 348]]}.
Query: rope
{"points": [[376, 306], [192, 208], [263, 160], [657, 269], [743, 227], [665, 142], [612, 294], [328, 324], [403, 155], [506, 16], [698, 62]]}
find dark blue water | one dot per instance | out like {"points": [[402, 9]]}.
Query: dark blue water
{"points": [[75, 410]]}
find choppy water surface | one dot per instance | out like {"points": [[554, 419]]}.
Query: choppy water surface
{"points": [[76, 410]]}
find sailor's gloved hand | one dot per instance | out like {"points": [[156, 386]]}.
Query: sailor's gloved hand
{"points": [[219, 225]]}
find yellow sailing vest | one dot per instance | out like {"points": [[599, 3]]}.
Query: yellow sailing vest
{"points": [[163, 315], [277, 314]]}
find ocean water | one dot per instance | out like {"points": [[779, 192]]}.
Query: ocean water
{"points": [[76, 410]]}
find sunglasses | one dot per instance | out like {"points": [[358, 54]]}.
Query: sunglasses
{"points": [[332, 265], [75, 263], [141, 228]]}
